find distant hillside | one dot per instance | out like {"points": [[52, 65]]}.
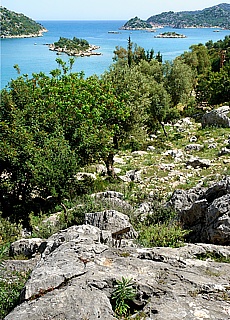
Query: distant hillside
{"points": [[216, 16], [136, 23], [210, 17], [15, 25]]}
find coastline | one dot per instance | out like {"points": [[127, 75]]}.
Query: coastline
{"points": [[30, 35], [86, 53]]}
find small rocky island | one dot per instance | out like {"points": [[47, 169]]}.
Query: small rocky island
{"points": [[170, 35], [75, 47]]}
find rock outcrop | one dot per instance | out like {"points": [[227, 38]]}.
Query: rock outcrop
{"points": [[218, 117], [75, 278], [205, 211]]}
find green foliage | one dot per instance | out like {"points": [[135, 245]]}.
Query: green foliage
{"points": [[9, 232], [136, 23], [217, 15], [10, 290], [162, 235], [50, 126], [179, 82], [122, 295], [75, 44], [14, 24], [218, 257]]}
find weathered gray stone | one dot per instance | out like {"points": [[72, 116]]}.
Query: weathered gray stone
{"points": [[139, 153], [132, 175], [27, 247], [113, 200], [81, 233], [111, 220], [218, 220], [205, 211], [108, 194], [175, 153], [194, 147], [151, 148], [76, 281], [193, 139], [217, 117], [224, 151], [198, 163]]}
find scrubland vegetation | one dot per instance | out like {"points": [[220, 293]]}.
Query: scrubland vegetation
{"points": [[53, 127]]}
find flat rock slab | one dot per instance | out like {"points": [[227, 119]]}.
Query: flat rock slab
{"points": [[76, 279]]}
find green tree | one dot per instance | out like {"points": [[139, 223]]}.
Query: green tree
{"points": [[159, 106], [179, 81]]}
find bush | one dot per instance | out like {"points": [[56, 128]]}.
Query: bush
{"points": [[10, 290], [9, 231], [122, 295], [162, 235]]}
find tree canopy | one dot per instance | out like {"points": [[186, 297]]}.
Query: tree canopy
{"points": [[51, 126]]}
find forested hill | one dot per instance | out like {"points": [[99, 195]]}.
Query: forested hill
{"points": [[18, 25], [216, 16]]}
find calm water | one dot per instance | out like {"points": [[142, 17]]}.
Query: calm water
{"points": [[32, 55]]}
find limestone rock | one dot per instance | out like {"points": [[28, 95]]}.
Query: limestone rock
{"points": [[139, 153], [224, 151], [151, 148], [205, 211], [132, 175], [198, 163], [113, 199], [217, 117], [108, 194], [175, 153], [193, 139], [27, 247], [76, 281], [218, 220], [194, 147], [111, 220]]}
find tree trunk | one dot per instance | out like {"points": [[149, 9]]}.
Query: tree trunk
{"points": [[163, 127], [109, 162]]}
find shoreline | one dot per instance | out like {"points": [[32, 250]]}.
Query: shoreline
{"points": [[30, 35], [86, 53]]}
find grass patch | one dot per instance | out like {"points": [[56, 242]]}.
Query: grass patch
{"points": [[10, 289], [215, 256]]}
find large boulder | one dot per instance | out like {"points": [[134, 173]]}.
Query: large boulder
{"points": [[113, 200], [27, 247], [111, 220], [76, 280], [218, 117], [205, 211]]}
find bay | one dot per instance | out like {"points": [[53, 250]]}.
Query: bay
{"points": [[33, 55]]}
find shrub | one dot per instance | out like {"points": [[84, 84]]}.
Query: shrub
{"points": [[10, 290], [9, 231], [162, 235], [122, 295]]}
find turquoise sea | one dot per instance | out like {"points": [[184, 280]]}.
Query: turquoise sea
{"points": [[32, 54]]}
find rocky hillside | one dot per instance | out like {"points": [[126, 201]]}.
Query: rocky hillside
{"points": [[136, 24], [77, 270], [216, 16], [16, 25]]}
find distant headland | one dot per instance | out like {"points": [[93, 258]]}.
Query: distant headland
{"points": [[17, 25], [216, 16]]}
